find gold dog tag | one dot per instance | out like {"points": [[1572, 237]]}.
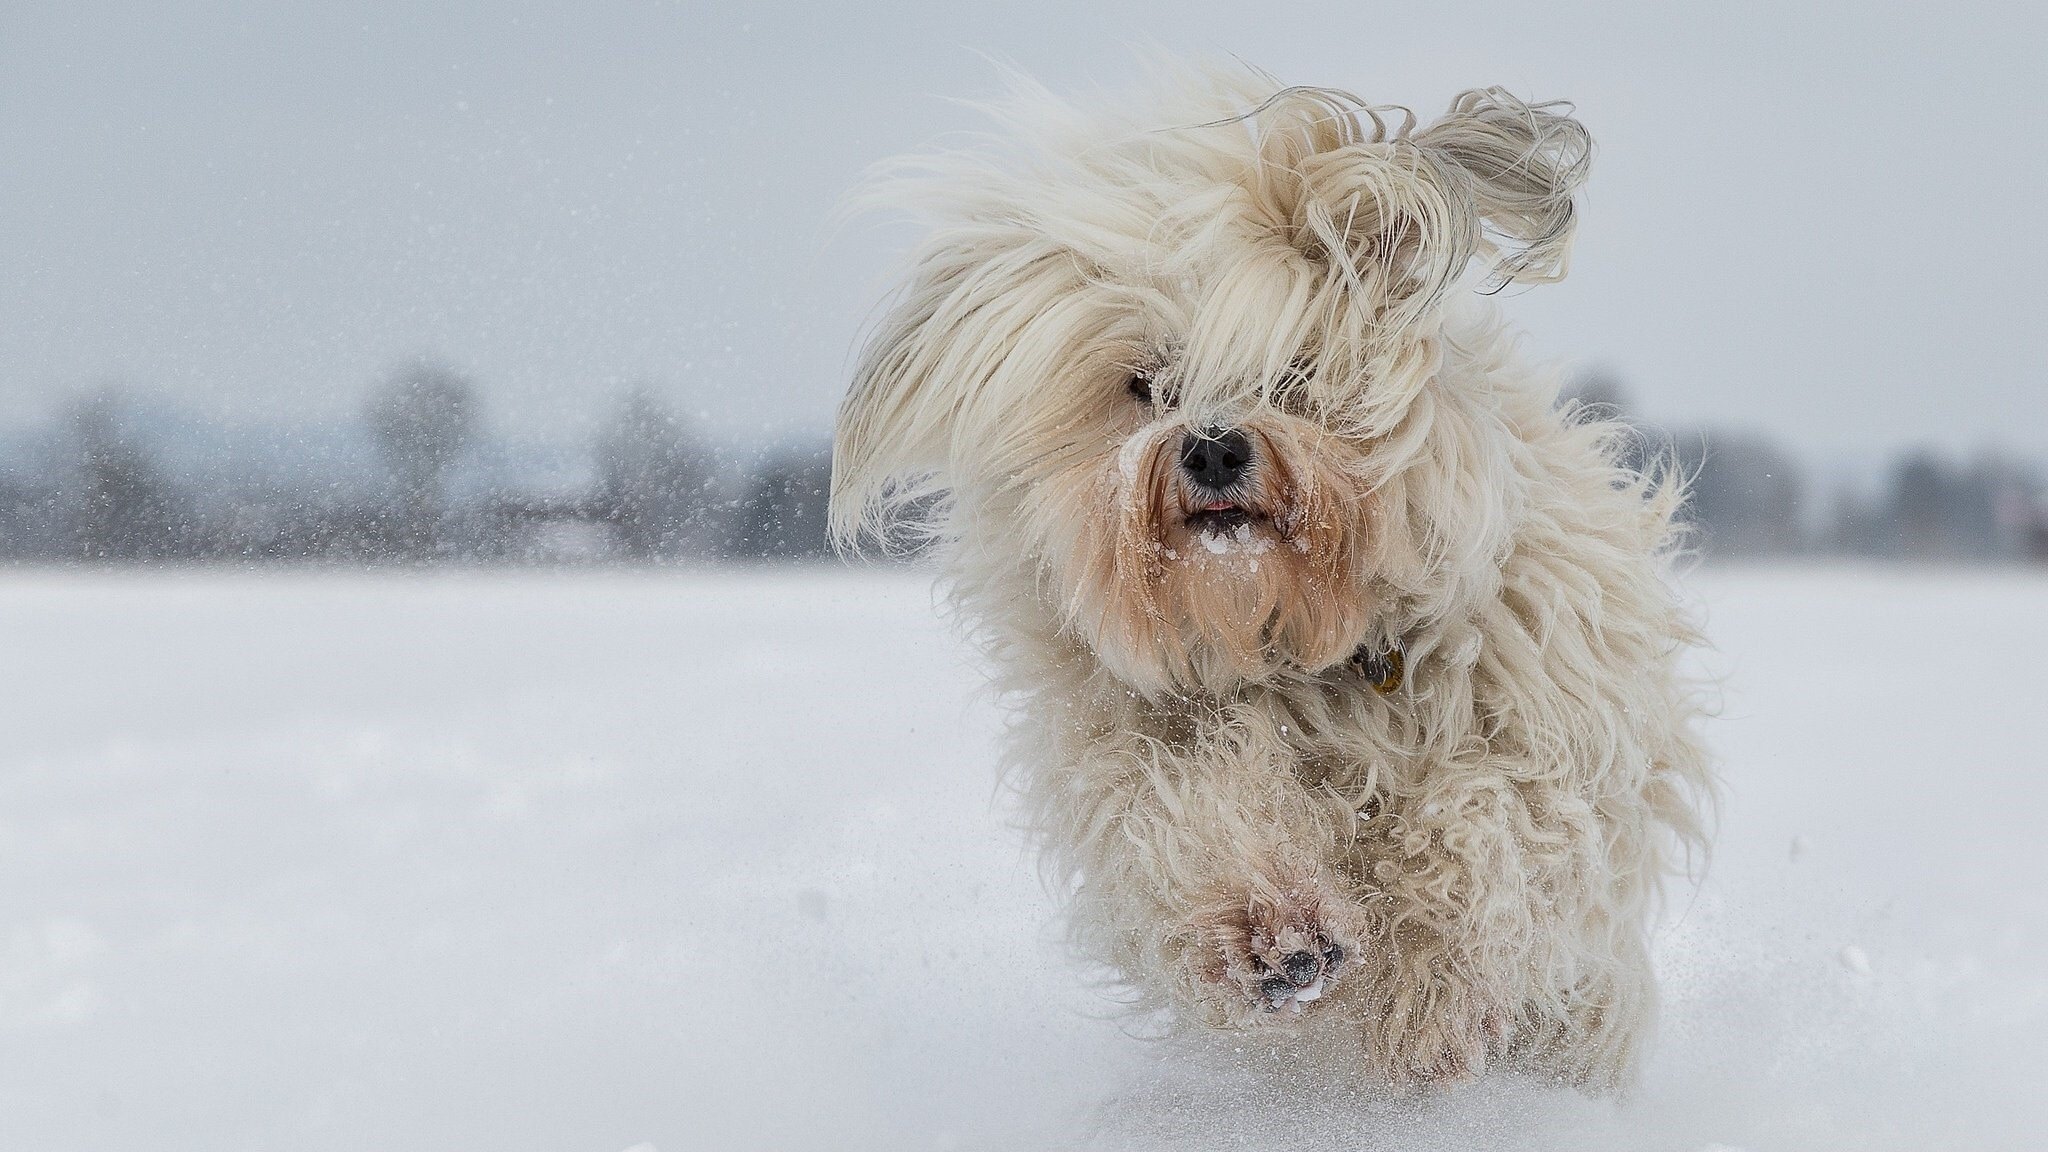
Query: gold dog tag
{"points": [[1383, 670]]}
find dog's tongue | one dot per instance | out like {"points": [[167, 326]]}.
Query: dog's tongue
{"points": [[1218, 506]]}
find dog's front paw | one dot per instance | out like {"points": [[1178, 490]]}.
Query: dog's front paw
{"points": [[1272, 949], [1302, 976]]}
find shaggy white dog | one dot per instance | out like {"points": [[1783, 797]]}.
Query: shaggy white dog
{"points": [[1344, 659]]}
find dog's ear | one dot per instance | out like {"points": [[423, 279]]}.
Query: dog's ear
{"points": [[891, 436], [1402, 213], [1518, 168]]}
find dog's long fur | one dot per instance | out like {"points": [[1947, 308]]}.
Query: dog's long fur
{"points": [[1465, 866]]}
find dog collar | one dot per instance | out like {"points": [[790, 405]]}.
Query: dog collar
{"points": [[1383, 668]]}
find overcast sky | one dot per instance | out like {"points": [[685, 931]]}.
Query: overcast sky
{"points": [[1801, 216]]}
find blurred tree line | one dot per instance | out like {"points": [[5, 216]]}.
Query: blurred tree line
{"points": [[1749, 496], [113, 482]]}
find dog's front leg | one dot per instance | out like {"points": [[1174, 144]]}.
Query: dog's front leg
{"points": [[1205, 870], [1469, 894]]}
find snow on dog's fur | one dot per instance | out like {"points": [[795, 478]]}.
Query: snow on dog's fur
{"points": [[1260, 827]]}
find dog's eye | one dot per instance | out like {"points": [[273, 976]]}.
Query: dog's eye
{"points": [[1291, 392], [1145, 390]]}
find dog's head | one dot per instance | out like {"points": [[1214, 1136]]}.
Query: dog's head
{"points": [[1186, 366]]}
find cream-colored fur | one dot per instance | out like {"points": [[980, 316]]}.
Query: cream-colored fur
{"points": [[1455, 873]]}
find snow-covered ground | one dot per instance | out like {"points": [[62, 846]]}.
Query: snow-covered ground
{"points": [[716, 861]]}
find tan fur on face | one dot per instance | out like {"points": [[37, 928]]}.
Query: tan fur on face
{"points": [[1208, 772], [1164, 604]]}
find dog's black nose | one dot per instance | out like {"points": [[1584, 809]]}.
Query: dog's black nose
{"points": [[1215, 458]]}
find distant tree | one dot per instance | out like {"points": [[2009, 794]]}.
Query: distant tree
{"points": [[1945, 512], [123, 507], [1920, 500], [2023, 512], [1994, 500], [423, 421], [2033, 533], [1860, 525], [653, 479], [32, 523], [784, 514], [1747, 493], [1600, 395]]}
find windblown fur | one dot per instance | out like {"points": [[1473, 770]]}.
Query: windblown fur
{"points": [[1455, 873]]}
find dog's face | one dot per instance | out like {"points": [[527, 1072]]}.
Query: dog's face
{"points": [[1184, 366]]}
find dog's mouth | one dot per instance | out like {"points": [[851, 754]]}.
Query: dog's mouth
{"points": [[1220, 518]]}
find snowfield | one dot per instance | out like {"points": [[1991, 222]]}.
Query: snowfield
{"points": [[716, 861]]}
